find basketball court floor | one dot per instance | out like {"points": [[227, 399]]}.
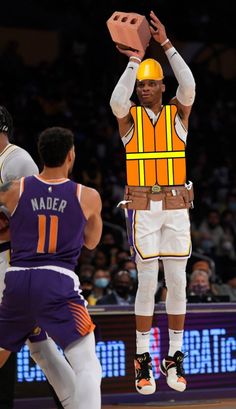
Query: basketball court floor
{"points": [[204, 404], [200, 404]]}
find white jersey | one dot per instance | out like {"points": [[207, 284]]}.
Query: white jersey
{"points": [[15, 162]]}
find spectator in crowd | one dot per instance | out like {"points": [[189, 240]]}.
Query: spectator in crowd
{"points": [[227, 244], [199, 285], [203, 265], [85, 271], [211, 233], [101, 281], [101, 259], [128, 264], [85, 258], [86, 285], [121, 256], [228, 287], [85, 274], [121, 290], [92, 175]]}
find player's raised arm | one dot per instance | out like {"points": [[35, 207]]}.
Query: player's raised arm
{"points": [[185, 93], [120, 99]]}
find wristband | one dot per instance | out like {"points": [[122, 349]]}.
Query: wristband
{"points": [[135, 58], [165, 42]]}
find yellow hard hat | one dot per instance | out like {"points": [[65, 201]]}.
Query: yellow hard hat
{"points": [[150, 69]]}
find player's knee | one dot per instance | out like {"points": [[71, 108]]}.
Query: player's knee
{"points": [[37, 353], [147, 285], [175, 277], [81, 354], [176, 291], [39, 358], [144, 301], [147, 282], [176, 294], [176, 285]]}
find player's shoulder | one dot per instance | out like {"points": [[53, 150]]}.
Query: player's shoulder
{"points": [[18, 163], [15, 153], [90, 198], [90, 192], [19, 151]]}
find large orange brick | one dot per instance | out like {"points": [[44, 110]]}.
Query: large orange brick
{"points": [[130, 30]]}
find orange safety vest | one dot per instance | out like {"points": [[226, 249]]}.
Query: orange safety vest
{"points": [[155, 155]]}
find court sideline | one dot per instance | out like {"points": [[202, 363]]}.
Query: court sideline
{"points": [[42, 403], [204, 404]]}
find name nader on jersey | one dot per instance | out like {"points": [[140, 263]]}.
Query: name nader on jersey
{"points": [[48, 203]]}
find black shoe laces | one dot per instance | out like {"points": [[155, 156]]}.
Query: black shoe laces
{"points": [[179, 360], [144, 372]]}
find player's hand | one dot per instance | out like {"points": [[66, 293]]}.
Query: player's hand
{"points": [[157, 29], [5, 234], [130, 53], [4, 221], [4, 227]]}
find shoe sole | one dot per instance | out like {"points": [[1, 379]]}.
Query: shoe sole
{"points": [[148, 390]]}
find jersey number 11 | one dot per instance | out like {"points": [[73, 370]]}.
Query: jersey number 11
{"points": [[53, 231]]}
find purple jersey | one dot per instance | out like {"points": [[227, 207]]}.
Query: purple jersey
{"points": [[47, 226]]}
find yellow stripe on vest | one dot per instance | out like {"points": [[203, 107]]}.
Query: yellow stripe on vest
{"points": [[169, 143], [156, 155], [140, 145]]}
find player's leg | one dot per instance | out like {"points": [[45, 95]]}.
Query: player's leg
{"points": [[172, 365], [56, 368], [82, 356], [146, 227], [54, 395], [8, 371], [144, 309], [7, 382], [70, 324], [176, 246]]}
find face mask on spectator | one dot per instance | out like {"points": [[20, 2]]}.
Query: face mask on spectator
{"points": [[133, 273], [101, 282], [199, 289]]}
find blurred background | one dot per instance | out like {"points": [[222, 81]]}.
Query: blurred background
{"points": [[59, 66]]}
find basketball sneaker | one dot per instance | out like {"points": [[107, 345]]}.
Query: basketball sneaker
{"points": [[144, 380], [172, 368]]}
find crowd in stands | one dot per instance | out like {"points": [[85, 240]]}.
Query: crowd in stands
{"points": [[72, 93]]}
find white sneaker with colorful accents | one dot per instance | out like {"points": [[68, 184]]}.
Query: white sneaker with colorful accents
{"points": [[144, 380], [172, 368]]}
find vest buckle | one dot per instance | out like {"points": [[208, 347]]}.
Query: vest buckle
{"points": [[156, 189]]}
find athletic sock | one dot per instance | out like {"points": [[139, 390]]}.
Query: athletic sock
{"points": [[142, 341], [175, 341]]}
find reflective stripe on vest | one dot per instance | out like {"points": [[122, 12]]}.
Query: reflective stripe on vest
{"points": [[155, 154]]}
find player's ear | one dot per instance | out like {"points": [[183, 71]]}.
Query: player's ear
{"points": [[71, 154]]}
